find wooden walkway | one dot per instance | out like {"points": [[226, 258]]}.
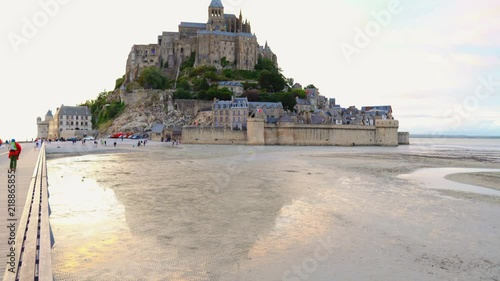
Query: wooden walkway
{"points": [[29, 178]]}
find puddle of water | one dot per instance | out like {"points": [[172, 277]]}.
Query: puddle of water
{"points": [[435, 178], [87, 220]]}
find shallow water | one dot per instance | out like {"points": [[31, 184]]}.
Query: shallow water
{"points": [[435, 178], [255, 213]]}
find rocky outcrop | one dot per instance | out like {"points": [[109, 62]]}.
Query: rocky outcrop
{"points": [[145, 108]]}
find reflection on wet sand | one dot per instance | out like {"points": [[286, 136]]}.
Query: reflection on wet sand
{"points": [[238, 213]]}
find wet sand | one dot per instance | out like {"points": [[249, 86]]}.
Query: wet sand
{"points": [[489, 180], [267, 213]]}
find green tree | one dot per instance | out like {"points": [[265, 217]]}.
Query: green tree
{"points": [[265, 64], [182, 94], [229, 74], [189, 63], [224, 62], [103, 110], [287, 99], [152, 78], [299, 93], [183, 83], [271, 81], [311, 86], [119, 82]]}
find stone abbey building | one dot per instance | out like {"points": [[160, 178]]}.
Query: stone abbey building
{"points": [[225, 40]]}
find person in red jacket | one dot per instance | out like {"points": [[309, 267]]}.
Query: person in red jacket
{"points": [[14, 152]]}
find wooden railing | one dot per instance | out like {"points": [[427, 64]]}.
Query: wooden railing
{"points": [[34, 238]]}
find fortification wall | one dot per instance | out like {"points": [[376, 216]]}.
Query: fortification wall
{"points": [[387, 132], [404, 138], [209, 135], [137, 95], [299, 134], [192, 107], [384, 133]]}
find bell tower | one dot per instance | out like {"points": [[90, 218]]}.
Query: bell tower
{"points": [[216, 20]]}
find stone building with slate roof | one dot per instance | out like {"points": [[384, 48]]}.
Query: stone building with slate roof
{"points": [[234, 113], [224, 39], [68, 121], [234, 86], [157, 132]]}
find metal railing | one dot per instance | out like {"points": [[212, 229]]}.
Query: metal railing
{"points": [[34, 236]]}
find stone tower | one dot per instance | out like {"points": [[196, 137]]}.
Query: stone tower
{"points": [[216, 20]]}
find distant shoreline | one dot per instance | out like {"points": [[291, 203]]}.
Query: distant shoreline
{"points": [[425, 136]]}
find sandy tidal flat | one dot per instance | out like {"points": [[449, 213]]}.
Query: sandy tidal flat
{"points": [[268, 213]]}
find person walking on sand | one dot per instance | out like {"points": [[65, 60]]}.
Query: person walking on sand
{"points": [[14, 152]]}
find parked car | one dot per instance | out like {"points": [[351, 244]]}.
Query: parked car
{"points": [[89, 138], [72, 139], [116, 135]]}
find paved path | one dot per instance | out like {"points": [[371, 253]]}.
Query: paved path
{"points": [[25, 168]]}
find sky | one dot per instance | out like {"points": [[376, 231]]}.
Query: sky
{"points": [[436, 62]]}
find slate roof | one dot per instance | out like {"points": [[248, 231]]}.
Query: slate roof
{"points": [[316, 119], [254, 104], [74, 110], [285, 118], [216, 4], [230, 83], [272, 120], [303, 102], [240, 102], [225, 33], [157, 128], [223, 104], [387, 108], [49, 113], [194, 25]]}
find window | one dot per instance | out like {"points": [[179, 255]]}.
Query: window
{"points": [[60, 122]]}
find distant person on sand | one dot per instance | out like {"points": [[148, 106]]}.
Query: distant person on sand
{"points": [[36, 145], [114, 144], [14, 152]]}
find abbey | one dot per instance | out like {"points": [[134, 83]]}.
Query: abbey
{"points": [[223, 41]]}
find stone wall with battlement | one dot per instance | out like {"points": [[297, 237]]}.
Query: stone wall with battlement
{"points": [[384, 133]]}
